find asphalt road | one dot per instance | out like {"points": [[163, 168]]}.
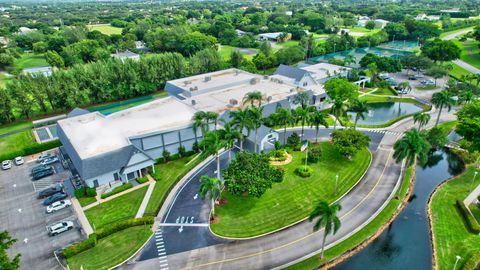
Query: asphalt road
{"points": [[459, 62]]}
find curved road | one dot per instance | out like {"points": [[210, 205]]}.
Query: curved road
{"points": [[459, 62], [279, 249]]}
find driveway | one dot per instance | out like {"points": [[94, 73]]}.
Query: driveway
{"points": [[24, 217]]}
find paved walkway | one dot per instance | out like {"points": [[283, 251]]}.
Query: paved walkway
{"points": [[459, 62], [147, 196], [87, 228]]}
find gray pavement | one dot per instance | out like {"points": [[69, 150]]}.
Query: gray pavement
{"points": [[24, 217], [459, 62]]}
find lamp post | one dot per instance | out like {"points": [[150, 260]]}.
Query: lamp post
{"points": [[473, 180], [336, 184], [456, 261]]}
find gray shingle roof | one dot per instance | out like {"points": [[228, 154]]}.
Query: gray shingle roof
{"points": [[291, 72], [101, 164]]}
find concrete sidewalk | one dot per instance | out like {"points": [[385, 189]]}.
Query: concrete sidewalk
{"points": [[87, 228], [146, 198]]}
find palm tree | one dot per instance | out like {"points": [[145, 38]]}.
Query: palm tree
{"points": [[210, 186], [442, 99], [372, 67], [241, 122], [349, 59], [229, 134], [327, 218], [256, 119], [302, 115], [302, 98], [467, 96], [251, 97], [212, 144], [411, 146], [338, 109], [284, 118], [317, 119], [198, 122], [212, 117], [360, 108], [422, 119]]}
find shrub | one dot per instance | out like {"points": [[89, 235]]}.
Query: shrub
{"points": [[181, 151], [166, 156], [119, 226], [30, 150], [156, 175], [195, 147], [174, 157], [278, 155], [304, 171], [293, 140], [469, 218], [85, 192], [117, 190], [142, 180], [80, 246], [314, 154], [278, 145]]}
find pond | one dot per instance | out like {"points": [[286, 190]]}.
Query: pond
{"points": [[406, 243], [382, 112]]}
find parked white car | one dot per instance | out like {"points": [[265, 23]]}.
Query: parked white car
{"points": [[43, 157], [59, 228], [59, 205], [19, 161], [6, 164], [49, 160]]}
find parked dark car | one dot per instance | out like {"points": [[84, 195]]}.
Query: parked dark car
{"points": [[40, 168], [42, 174], [55, 197], [50, 191]]}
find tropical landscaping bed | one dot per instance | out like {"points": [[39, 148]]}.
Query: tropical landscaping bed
{"points": [[293, 199]]}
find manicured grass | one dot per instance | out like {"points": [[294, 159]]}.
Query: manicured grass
{"points": [[121, 208], [427, 87], [452, 236], [475, 208], [226, 50], [29, 60], [16, 142], [458, 72], [293, 199], [444, 34], [290, 43], [86, 201], [105, 29], [170, 174], [112, 249], [470, 52], [356, 239], [14, 126], [384, 92], [363, 30], [447, 126]]}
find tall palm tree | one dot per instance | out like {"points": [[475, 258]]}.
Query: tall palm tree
{"points": [[442, 99], [256, 119], [210, 186], [360, 108], [212, 118], [198, 122], [467, 96], [410, 147], [338, 109], [284, 118], [422, 119], [212, 144], [229, 134], [317, 119], [241, 122], [252, 97], [349, 59], [302, 98], [302, 115], [327, 218]]}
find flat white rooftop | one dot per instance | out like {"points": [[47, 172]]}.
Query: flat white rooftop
{"points": [[94, 134], [322, 71]]}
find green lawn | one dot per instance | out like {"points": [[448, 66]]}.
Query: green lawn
{"points": [[447, 126], [105, 29], [384, 92], [86, 201], [16, 142], [112, 249], [226, 50], [356, 239], [427, 87], [451, 234], [170, 173], [15, 126], [470, 52], [30, 60], [290, 43], [444, 34], [121, 208], [458, 72], [475, 208], [293, 199], [363, 30]]}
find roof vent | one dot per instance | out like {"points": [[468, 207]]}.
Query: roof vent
{"points": [[194, 102], [292, 90], [253, 81], [208, 78], [233, 101], [269, 98], [265, 77]]}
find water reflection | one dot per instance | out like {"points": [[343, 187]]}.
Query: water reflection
{"points": [[381, 112]]}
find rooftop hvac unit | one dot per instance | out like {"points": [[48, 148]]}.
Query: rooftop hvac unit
{"points": [[265, 77], [233, 101], [186, 83], [269, 98], [208, 78], [194, 102], [253, 81], [237, 72], [292, 90]]}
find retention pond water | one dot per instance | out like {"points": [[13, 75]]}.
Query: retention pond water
{"points": [[381, 112]]}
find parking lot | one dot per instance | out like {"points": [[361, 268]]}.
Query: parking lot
{"points": [[417, 83], [24, 217]]}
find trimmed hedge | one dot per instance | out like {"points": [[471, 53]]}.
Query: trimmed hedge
{"points": [[116, 190], [473, 262], [469, 218], [142, 180], [85, 192], [304, 171], [80, 247], [30, 150], [104, 232]]}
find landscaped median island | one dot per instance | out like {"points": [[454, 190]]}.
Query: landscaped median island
{"points": [[452, 233], [293, 199]]}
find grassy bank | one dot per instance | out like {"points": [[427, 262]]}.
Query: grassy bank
{"points": [[293, 199], [105, 29]]}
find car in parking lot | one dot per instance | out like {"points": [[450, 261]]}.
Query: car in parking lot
{"points": [[42, 174], [6, 164], [58, 205], [43, 157], [412, 77], [59, 228], [49, 160], [50, 191], [55, 197], [19, 161], [41, 168]]}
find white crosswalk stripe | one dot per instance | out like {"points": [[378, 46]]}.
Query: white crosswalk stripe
{"points": [[162, 253]]}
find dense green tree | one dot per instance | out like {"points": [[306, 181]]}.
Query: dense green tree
{"points": [[290, 55], [469, 124], [236, 58], [415, 61], [436, 72], [212, 187], [436, 137], [54, 59], [327, 218], [410, 147], [6, 241], [441, 50], [396, 30], [349, 141]]}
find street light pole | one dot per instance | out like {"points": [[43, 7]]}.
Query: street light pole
{"points": [[336, 183], [473, 180], [456, 261]]}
